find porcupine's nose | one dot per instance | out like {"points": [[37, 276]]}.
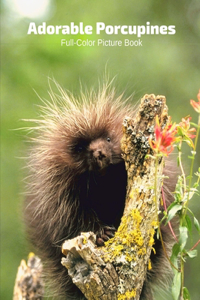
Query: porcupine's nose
{"points": [[99, 154], [101, 158]]}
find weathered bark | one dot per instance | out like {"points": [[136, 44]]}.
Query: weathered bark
{"points": [[118, 270], [29, 284]]}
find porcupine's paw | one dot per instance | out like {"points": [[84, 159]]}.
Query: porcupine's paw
{"points": [[104, 234]]}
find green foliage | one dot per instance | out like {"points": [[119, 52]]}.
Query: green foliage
{"points": [[184, 192], [176, 286], [186, 294], [173, 209]]}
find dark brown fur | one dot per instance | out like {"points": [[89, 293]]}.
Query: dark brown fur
{"points": [[77, 182]]}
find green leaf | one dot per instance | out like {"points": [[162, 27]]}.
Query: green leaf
{"points": [[191, 157], [173, 211], [186, 295], [178, 197], [176, 287], [192, 253], [183, 236], [180, 131], [194, 124], [178, 161], [188, 141], [188, 223], [174, 256], [196, 224], [171, 205], [196, 185]]}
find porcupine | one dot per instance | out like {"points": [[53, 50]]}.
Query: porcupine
{"points": [[77, 182]]}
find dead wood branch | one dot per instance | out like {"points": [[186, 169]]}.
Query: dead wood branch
{"points": [[118, 270], [29, 284]]}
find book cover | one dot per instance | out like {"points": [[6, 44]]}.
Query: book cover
{"points": [[149, 47]]}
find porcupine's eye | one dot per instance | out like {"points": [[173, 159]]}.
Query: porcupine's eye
{"points": [[79, 148], [108, 139]]}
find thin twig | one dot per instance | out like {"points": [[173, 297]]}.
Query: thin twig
{"points": [[169, 223]]}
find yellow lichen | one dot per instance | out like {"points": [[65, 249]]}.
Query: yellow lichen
{"points": [[142, 251], [154, 250], [31, 254], [118, 250], [149, 265], [129, 257], [155, 224], [131, 195], [125, 238], [151, 239], [152, 232], [136, 215], [84, 241], [133, 192], [128, 295]]}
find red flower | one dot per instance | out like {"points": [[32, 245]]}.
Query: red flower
{"points": [[196, 105], [164, 138]]}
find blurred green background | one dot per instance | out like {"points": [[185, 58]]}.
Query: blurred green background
{"points": [[165, 64]]}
